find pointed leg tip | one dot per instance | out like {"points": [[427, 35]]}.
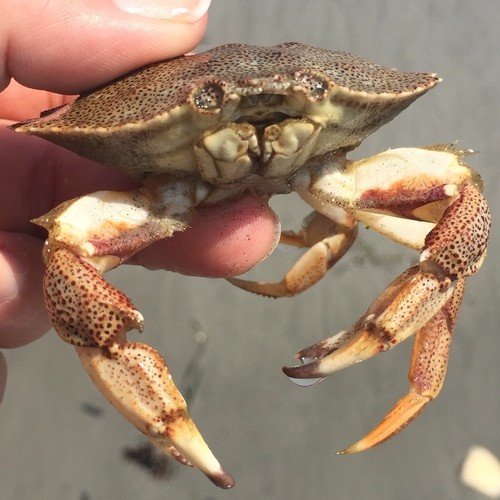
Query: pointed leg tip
{"points": [[355, 448], [405, 410], [373, 438], [273, 290], [222, 479]]}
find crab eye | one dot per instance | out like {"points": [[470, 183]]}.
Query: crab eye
{"points": [[312, 84], [208, 97]]}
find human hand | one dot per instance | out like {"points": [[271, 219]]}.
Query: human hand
{"points": [[69, 47]]}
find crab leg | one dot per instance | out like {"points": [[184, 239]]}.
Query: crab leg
{"points": [[327, 240], [87, 237], [428, 364], [425, 298], [95, 318]]}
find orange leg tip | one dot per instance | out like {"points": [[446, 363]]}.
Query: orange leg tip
{"points": [[405, 410]]}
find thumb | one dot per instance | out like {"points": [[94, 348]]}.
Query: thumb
{"points": [[68, 47]]}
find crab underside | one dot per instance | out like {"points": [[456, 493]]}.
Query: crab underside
{"points": [[270, 120]]}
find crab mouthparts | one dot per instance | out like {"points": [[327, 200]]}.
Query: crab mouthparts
{"points": [[260, 122], [264, 109]]}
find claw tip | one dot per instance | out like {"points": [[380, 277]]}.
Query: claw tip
{"points": [[308, 370], [222, 479], [299, 380]]}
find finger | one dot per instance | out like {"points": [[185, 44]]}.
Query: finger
{"points": [[68, 47], [224, 240], [22, 313]]}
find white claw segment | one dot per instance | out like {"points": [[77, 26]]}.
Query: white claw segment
{"points": [[135, 380], [362, 347]]}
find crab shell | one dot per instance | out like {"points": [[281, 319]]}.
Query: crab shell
{"points": [[204, 128], [197, 114]]}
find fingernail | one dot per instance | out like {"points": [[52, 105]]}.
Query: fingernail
{"points": [[11, 280], [187, 11]]}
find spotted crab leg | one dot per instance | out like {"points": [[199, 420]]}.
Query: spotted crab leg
{"points": [[327, 240], [86, 238], [428, 365], [423, 299]]}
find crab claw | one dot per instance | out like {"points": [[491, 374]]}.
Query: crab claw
{"points": [[424, 299], [95, 317], [388, 321], [136, 381], [430, 350], [368, 337]]}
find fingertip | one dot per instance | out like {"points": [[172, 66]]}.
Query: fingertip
{"points": [[222, 241]]}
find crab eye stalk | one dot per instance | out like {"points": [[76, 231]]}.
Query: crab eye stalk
{"points": [[208, 97], [313, 85]]}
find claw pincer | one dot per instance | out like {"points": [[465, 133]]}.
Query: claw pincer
{"points": [[424, 300], [92, 315]]}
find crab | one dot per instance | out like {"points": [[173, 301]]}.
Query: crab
{"points": [[202, 129]]}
